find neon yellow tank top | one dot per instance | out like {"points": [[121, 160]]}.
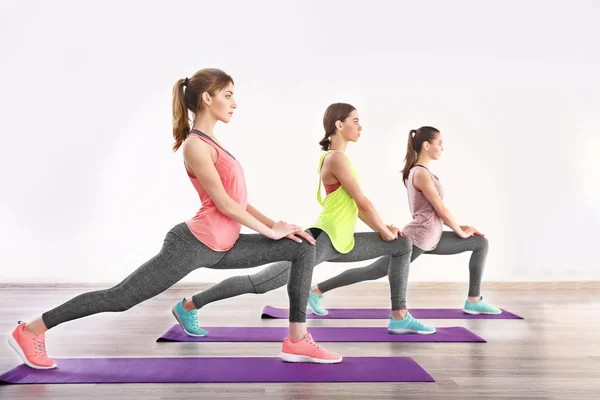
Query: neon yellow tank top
{"points": [[338, 218]]}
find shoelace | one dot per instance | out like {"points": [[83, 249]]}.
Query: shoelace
{"points": [[40, 346], [311, 342], [419, 323], [193, 314], [409, 318]]}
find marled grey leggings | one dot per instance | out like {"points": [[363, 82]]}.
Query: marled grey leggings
{"points": [[182, 253], [449, 243], [368, 245]]}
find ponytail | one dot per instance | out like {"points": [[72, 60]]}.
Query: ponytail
{"points": [[416, 138], [326, 141], [181, 124], [411, 156]]}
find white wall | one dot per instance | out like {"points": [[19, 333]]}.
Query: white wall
{"points": [[90, 186]]}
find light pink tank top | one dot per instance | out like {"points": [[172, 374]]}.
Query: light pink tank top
{"points": [[209, 225], [425, 229]]}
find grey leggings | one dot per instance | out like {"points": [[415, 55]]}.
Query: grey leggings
{"points": [[449, 243], [181, 254], [368, 245]]}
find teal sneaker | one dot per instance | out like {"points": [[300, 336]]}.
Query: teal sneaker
{"points": [[409, 325], [188, 320], [481, 307], [314, 302]]}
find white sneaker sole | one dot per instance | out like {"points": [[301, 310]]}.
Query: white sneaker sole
{"points": [[293, 358], [481, 312], [13, 343], [402, 331], [181, 324]]}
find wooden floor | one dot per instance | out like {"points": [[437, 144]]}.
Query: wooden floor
{"points": [[553, 354]]}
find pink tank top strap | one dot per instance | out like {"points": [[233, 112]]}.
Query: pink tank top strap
{"points": [[414, 169], [210, 141]]}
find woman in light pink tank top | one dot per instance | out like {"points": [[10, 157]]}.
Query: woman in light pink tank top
{"points": [[425, 229], [430, 214]]}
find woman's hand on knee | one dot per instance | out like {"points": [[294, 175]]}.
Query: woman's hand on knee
{"points": [[307, 236], [395, 231], [470, 231]]}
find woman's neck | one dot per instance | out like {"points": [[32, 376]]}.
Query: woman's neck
{"points": [[205, 123], [338, 143], [423, 160]]}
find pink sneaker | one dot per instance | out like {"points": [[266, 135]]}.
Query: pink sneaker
{"points": [[307, 350], [31, 348]]}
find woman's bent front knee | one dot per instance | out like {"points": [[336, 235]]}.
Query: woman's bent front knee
{"points": [[481, 242], [306, 252], [403, 246]]}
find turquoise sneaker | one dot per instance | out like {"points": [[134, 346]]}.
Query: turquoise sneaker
{"points": [[409, 325], [481, 307], [188, 320], [314, 303]]}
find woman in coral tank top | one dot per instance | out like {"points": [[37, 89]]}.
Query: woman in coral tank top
{"points": [[211, 239]]}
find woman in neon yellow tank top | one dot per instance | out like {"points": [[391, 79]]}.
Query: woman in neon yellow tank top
{"points": [[334, 231]]}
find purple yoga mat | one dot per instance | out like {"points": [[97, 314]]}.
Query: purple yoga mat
{"points": [[219, 370], [320, 334], [382, 313]]}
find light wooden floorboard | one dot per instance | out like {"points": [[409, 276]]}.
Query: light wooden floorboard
{"points": [[553, 354]]}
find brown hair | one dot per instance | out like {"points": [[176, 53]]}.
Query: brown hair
{"points": [[335, 112], [416, 138], [209, 80]]}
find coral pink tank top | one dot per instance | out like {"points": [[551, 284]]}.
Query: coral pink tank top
{"points": [[209, 225]]}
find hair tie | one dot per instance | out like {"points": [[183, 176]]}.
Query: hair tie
{"points": [[186, 82]]}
